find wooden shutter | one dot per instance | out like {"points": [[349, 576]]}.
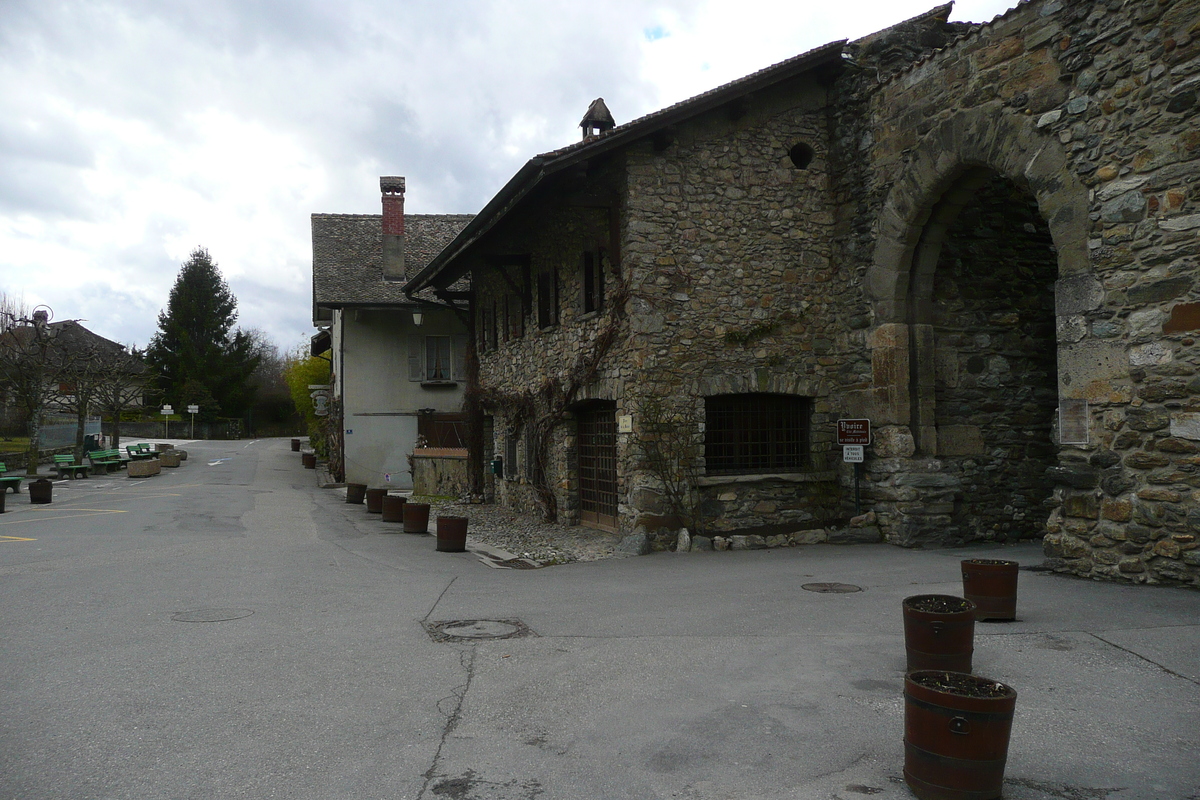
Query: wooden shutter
{"points": [[416, 366]]}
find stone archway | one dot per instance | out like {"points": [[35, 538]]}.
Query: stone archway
{"points": [[974, 455]]}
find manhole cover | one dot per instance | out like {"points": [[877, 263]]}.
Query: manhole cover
{"points": [[469, 630], [831, 588], [211, 615]]}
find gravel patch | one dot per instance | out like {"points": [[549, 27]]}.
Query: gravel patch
{"points": [[524, 535]]}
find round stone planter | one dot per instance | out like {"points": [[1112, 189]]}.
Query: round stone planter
{"points": [[374, 498], [295, 445], [939, 639], [181, 453], [309, 460], [956, 733], [452, 534], [41, 491], [991, 584], [416, 518], [393, 508], [169, 458], [356, 493]]}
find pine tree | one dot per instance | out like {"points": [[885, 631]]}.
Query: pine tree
{"points": [[198, 355]]}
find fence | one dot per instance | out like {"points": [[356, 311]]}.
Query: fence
{"points": [[60, 431]]}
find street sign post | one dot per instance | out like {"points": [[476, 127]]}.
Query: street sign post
{"points": [[167, 411], [853, 435], [193, 410]]}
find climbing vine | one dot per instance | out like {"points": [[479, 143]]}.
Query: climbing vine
{"points": [[540, 410]]}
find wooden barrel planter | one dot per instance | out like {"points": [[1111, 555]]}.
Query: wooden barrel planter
{"points": [[991, 584], [295, 445], [452, 534], [956, 732], [393, 508], [41, 491], [356, 493], [416, 517], [939, 632], [374, 498], [309, 460]]}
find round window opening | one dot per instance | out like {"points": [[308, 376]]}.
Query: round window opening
{"points": [[801, 155]]}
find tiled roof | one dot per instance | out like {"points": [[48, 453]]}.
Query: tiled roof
{"points": [[348, 255]]}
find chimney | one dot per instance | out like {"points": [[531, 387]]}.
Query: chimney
{"points": [[41, 317], [597, 119], [392, 189]]}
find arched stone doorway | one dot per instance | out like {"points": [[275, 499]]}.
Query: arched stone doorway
{"points": [[981, 251], [984, 377]]}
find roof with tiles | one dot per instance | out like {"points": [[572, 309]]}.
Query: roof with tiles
{"points": [[348, 256]]}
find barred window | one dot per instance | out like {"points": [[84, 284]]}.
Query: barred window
{"points": [[752, 433]]}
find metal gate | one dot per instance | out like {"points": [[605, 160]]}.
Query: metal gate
{"points": [[598, 468]]}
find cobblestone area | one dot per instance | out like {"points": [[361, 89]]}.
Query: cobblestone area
{"points": [[525, 536]]}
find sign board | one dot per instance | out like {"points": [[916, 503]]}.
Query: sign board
{"points": [[852, 453], [854, 431], [193, 409], [625, 424], [168, 410], [1072, 421]]}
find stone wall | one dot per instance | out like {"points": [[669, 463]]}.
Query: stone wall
{"points": [[1090, 107]]}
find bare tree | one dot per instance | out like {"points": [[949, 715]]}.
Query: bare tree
{"points": [[123, 382], [30, 369]]}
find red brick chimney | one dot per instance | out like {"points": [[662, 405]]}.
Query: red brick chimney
{"points": [[392, 189]]}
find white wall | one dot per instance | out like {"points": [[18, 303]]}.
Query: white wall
{"points": [[381, 387]]}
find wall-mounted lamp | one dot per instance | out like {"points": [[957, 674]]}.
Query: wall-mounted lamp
{"points": [[417, 318]]}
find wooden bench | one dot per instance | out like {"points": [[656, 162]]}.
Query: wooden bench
{"points": [[9, 480], [106, 460], [65, 465]]}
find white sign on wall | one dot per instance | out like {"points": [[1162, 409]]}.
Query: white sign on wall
{"points": [[852, 453]]}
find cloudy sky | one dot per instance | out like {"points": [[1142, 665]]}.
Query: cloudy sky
{"points": [[133, 131]]}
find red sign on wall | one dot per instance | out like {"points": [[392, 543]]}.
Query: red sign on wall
{"points": [[854, 431]]}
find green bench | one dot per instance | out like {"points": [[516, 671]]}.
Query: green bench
{"points": [[106, 460], [9, 480], [65, 465], [140, 452]]}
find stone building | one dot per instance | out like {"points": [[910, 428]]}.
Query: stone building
{"points": [[397, 362], [982, 238]]}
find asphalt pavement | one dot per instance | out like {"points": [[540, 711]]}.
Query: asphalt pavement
{"points": [[230, 630]]}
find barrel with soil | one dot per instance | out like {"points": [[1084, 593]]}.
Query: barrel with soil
{"points": [[991, 584], [452, 534], [956, 734], [374, 499], [939, 632], [393, 508], [356, 493], [416, 517]]}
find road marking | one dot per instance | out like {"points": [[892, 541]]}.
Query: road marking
{"points": [[253, 442], [6, 539], [39, 518], [218, 461]]}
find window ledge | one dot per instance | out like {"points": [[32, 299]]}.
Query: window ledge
{"points": [[438, 384], [783, 477]]}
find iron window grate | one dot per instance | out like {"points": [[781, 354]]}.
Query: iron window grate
{"points": [[754, 433]]}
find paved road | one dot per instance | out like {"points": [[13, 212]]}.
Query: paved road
{"points": [[671, 676]]}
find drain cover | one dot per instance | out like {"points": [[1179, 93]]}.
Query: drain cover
{"points": [[470, 630], [831, 588], [211, 615]]}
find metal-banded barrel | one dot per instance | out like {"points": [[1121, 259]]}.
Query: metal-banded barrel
{"points": [[939, 640], [991, 584], [956, 746]]}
